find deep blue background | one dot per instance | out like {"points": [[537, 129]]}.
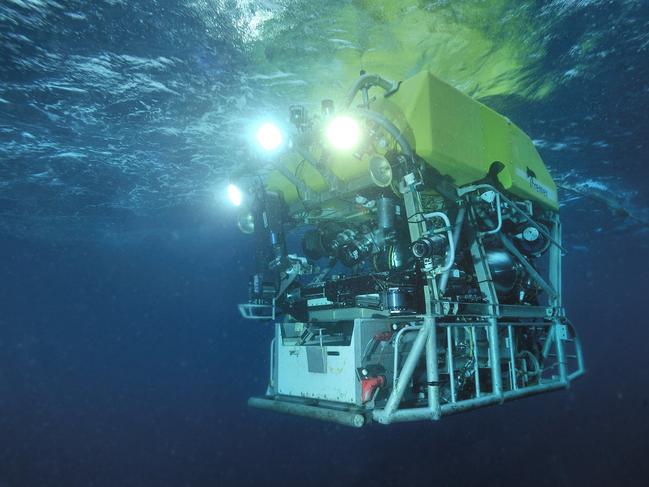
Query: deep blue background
{"points": [[123, 360], [128, 365]]}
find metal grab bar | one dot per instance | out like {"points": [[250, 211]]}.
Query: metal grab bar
{"points": [[450, 258], [499, 225], [251, 311], [385, 415], [543, 231], [450, 361], [512, 359], [397, 339]]}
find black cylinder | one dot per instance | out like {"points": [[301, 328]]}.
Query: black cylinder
{"points": [[400, 300], [429, 246], [351, 254], [385, 213], [312, 244], [504, 272]]}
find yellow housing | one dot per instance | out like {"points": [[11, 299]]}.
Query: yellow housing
{"points": [[458, 136]]}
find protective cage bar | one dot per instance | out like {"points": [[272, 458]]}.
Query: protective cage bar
{"points": [[470, 352], [561, 347]]}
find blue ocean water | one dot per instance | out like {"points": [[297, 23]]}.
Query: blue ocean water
{"points": [[123, 360]]}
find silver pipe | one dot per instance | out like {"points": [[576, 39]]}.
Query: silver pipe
{"points": [[537, 389], [449, 361], [507, 396], [432, 370], [494, 352], [346, 418], [467, 404], [561, 358], [499, 225], [457, 229], [580, 357], [576, 374], [271, 384], [384, 415], [412, 414], [397, 340], [450, 259], [528, 267], [418, 414], [555, 263], [512, 366], [421, 413], [527, 324], [548, 342], [476, 366]]}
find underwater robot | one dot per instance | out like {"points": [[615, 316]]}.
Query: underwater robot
{"points": [[408, 255]]}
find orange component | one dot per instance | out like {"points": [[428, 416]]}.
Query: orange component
{"points": [[383, 337], [369, 385]]}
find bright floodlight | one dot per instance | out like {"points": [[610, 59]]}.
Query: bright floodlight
{"points": [[235, 195], [343, 132], [269, 136]]}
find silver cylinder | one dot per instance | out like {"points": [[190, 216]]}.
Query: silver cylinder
{"points": [[346, 418], [384, 415]]}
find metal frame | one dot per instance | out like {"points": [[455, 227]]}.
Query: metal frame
{"points": [[568, 367], [437, 330]]}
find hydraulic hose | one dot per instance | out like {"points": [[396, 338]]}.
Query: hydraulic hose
{"points": [[389, 127]]}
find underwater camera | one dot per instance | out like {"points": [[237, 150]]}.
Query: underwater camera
{"points": [[408, 255]]}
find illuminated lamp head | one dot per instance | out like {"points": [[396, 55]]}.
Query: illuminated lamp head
{"points": [[269, 136], [343, 132], [235, 195]]}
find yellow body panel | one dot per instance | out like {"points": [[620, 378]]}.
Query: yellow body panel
{"points": [[275, 181], [344, 166], [461, 138], [458, 136]]}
